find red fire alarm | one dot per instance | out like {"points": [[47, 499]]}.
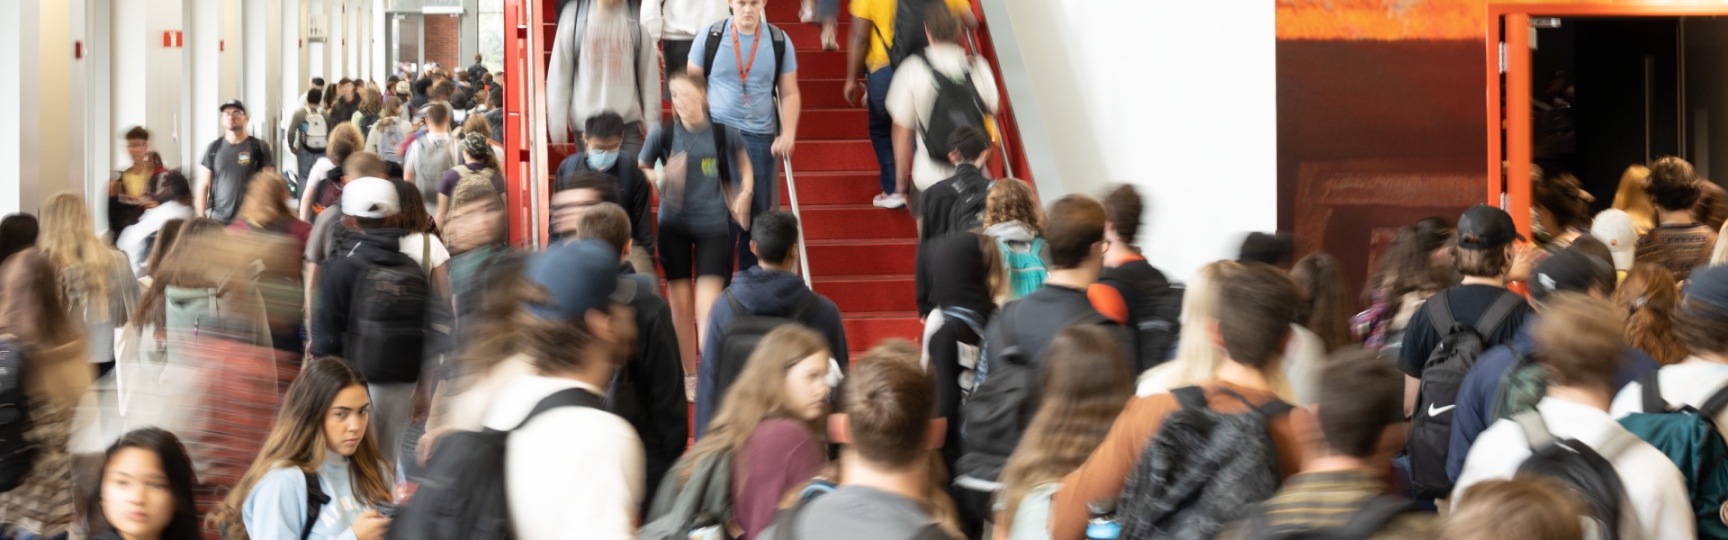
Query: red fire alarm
{"points": [[78, 49], [173, 39], [221, 45]]}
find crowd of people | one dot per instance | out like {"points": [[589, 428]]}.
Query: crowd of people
{"points": [[355, 351]]}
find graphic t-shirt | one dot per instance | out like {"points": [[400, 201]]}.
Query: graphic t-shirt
{"points": [[231, 167], [699, 201]]}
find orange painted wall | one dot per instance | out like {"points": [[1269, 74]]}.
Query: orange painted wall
{"points": [[1396, 19]]}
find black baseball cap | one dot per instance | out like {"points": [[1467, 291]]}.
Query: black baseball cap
{"points": [[1493, 225], [1569, 271], [235, 103], [1271, 249]]}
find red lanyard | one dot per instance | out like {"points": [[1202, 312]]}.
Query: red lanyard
{"points": [[744, 69]]}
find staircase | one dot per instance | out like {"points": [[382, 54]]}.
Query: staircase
{"points": [[860, 256]]}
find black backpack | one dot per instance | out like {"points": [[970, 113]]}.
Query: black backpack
{"points": [[387, 323], [957, 104], [315, 501], [463, 495], [367, 120], [1202, 470], [909, 36], [1587, 471], [1002, 404], [16, 454], [1374, 515], [1431, 421], [1154, 310], [776, 36], [969, 203], [740, 338]]}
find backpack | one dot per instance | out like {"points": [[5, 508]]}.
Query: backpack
{"points": [[1202, 470], [315, 501], [1587, 471], [16, 454], [1026, 270], [1692, 440], [908, 15], [1431, 421], [463, 495], [967, 213], [1521, 387], [387, 323], [632, 13], [435, 158], [1154, 310], [328, 194], [367, 120], [390, 141], [315, 132], [786, 528], [467, 176], [1374, 515], [742, 336], [1002, 403], [957, 104], [775, 35], [682, 509]]}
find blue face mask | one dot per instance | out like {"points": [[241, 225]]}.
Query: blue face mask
{"points": [[602, 160]]}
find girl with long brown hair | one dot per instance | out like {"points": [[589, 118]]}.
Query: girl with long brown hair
{"points": [[1085, 387], [1327, 309], [96, 282], [770, 425], [1648, 298], [35, 323], [322, 430]]}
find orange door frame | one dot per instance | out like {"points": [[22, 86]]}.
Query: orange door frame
{"points": [[1515, 117]]}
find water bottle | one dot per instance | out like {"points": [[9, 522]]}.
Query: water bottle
{"points": [[1103, 525]]}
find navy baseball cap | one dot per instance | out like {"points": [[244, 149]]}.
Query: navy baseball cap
{"points": [[233, 103], [1709, 286], [579, 275], [1493, 225]]}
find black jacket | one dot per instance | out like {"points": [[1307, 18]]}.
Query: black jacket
{"points": [[632, 187], [938, 202], [649, 390], [336, 286], [1042, 315]]}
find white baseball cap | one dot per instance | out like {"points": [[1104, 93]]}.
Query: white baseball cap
{"points": [[1614, 228], [370, 197]]}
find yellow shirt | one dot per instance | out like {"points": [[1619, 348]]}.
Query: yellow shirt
{"points": [[134, 183], [881, 13]]}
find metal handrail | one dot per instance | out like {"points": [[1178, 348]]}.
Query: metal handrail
{"points": [[792, 197]]}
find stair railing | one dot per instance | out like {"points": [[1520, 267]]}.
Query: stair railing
{"points": [[1002, 151], [792, 198]]}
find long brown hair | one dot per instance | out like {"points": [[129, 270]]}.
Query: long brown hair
{"points": [[1326, 309], [1648, 298], [1408, 264], [1086, 386], [266, 200], [31, 309], [758, 394], [297, 440], [165, 239], [69, 240]]}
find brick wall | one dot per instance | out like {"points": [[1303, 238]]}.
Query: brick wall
{"points": [[443, 38]]}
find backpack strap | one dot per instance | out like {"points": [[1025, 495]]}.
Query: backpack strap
{"points": [[1618, 441], [785, 522], [1714, 404], [1192, 398], [1650, 393], [1535, 430], [1439, 308], [315, 501], [1374, 515], [712, 48], [1497, 313], [569, 397], [722, 151]]}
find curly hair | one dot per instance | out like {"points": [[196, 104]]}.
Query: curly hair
{"points": [[1011, 199]]}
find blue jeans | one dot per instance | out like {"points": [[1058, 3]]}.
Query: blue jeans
{"points": [[881, 126], [767, 191]]}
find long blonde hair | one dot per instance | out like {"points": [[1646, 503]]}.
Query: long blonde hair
{"points": [[758, 394], [1197, 359], [69, 240], [266, 200], [1632, 198], [297, 440], [1085, 388], [1720, 256]]}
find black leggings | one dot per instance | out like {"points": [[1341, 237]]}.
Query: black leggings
{"points": [[684, 256]]}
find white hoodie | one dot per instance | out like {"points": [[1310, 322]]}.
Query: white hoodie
{"points": [[680, 20]]}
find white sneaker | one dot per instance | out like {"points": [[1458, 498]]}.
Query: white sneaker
{"points": [[893, 200], [806, 15], [880, 201]]}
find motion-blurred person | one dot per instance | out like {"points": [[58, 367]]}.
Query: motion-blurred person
{"points": [[1633, 198], [933, 94], [1413, 268], [1529, 507], [322, 190], [494, 115], [1698, 325], [159, 248], [1615, 230], [38, 336], [1562, 208], [1131, 291], [573, 194], [97, 283], [1085, 388], [1326, 308], [602, 61], [1648, 299], [1712, 207], [480, 164], [280, 239], [134, 187], [475, 236], [602, 142], [1679, 242], [321, 474], [346, 104], [172, 200], [875, 48], [387, 135], [371, 105], [145, 490], [18, 232]]}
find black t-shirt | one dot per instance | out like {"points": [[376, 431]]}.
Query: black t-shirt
{"points": [[1468, 303], [231, 166]]}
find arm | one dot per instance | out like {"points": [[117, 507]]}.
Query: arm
{"points": [[856, 51], [308, 191], [648, 69], [409, 160], [443, 210], [902, 157], [698, 52], [294, 139], [1103, 474], [746, 176], [984, 80], [201, 199], [661, 372], [640, 199], [791, 105], [561, 76]]}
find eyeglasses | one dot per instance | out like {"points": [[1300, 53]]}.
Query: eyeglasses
{"points": [[233, 112]]}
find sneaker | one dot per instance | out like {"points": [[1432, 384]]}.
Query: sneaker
{"points": [[880, 201], [806, 15], [690, 389], [829, 42], [893, 200]]}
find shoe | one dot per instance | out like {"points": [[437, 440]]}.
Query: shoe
{"points": [[880, 201], [829, 42], [806, 15], [690, 389], [893, 200]]}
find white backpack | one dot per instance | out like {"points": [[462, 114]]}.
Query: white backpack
{"points": [[316, 132]]}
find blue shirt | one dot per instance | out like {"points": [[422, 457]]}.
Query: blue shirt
{"points": [[1476, 394], [725, 95], [276, 507]]}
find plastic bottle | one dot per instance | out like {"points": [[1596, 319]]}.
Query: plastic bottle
{"points": [[1103, 525]]}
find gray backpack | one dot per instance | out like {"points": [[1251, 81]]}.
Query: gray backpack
{"points": [[435, 158], [704, 501]]}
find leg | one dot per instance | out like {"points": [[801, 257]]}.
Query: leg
{"points": [[390, 404], [640, 259], [713, 262], [676, 54], [675, 258], [766, 190], [881, 126], [632, 139]]}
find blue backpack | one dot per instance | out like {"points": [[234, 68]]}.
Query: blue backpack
{"points": [[1026, 270], [1690, 438]]}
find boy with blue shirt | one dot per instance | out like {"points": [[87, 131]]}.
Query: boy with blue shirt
{"points": [[744, 77]]}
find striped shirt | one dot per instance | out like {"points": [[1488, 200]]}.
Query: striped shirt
{"points": [[1330, 499]]}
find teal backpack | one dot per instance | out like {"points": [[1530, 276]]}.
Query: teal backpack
{"points": [[1690, 439], [1026, 269], [1521, 387]]}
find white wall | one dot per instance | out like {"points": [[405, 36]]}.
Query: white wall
{"points": [[1134, 91]]}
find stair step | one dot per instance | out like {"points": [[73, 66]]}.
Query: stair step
{"points": [[785, 12], [865, 330], [869, 293], [823, 93], [857, 222], [831, 258], [815, 63], [851, 156], [833, 123], [825, 188]]}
